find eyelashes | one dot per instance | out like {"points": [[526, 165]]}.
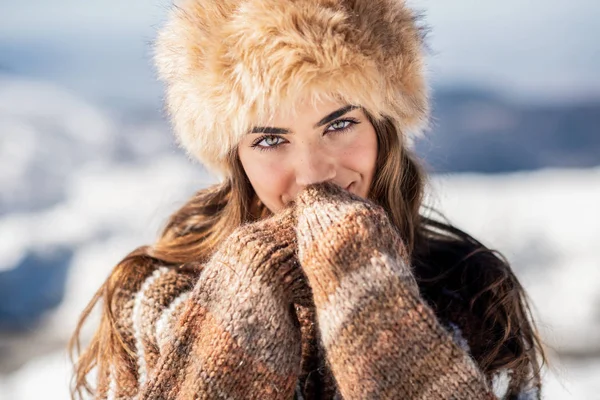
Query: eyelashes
{"points": [[351, 123], [256, 143]]}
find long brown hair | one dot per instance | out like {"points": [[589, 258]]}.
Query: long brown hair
{"points": [[459, 277]]}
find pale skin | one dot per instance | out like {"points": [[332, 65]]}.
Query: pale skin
{"points": [[330, 141]]}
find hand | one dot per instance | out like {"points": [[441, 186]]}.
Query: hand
{"points": [[267, 249], [338, 231], [381, 339], [237, 335], [326, 210]]}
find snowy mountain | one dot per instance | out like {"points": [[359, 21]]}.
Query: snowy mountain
{"points": [[477, 130], [47, 133], [55, 150], [539, 49]]}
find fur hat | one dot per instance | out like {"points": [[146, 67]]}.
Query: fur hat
{"points": [[229, 64]]}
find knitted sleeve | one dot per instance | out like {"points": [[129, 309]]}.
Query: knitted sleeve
{"points": [[144, 309], [381, 339], [236, 335]]}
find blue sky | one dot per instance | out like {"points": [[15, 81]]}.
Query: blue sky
{"points": [[532, 49]]}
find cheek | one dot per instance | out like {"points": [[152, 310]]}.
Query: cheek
{"points": [[361, 157], [267, 176]]}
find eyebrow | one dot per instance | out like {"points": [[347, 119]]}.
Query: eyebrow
{"points": [[282, 131]]}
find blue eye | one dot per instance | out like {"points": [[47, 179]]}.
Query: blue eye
{"points": [[340, 125], [268, 142]]}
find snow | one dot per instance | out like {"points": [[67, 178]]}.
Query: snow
{"points": [[47, 132], [564, 290], [547, 223]]}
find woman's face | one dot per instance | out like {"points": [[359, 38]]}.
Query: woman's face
{"points": [[329, 142]]}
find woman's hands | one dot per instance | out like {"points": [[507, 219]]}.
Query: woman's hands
{"points": [[238, 336], [267, 250], [339, 232], [381, 339]]}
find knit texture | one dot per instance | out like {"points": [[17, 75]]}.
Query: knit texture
{"points": [[317, 302]]}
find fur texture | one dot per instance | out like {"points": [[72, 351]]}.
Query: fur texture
{"points": [[228, 64]]}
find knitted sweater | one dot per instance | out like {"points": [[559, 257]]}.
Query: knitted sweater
{"points": [[317, 301]]}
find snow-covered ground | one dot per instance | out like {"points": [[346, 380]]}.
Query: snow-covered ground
{"points": [[546, 223]]}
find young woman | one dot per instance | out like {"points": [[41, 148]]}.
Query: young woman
{"points": [[312, 270]]}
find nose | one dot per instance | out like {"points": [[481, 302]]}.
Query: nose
{"points": [[314, 166]]}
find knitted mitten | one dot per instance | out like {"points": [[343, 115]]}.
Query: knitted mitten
{"points": [[381, 339], [238, 336]]}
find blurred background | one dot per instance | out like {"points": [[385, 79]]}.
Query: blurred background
{"points": [[89, 169]]}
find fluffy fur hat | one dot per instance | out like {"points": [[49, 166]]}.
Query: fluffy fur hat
{"points": [[228, 64]]}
